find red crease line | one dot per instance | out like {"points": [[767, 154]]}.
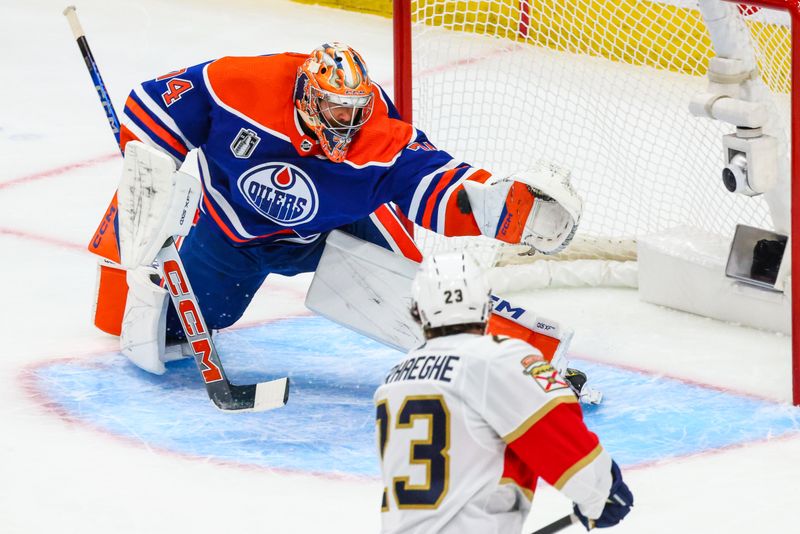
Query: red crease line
{"points": [[42, 239], [59, 170]]}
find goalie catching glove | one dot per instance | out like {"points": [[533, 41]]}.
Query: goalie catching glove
{"points": [[538, 208]]}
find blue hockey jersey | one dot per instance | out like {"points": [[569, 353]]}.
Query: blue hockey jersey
{"points": [[265, 180]]}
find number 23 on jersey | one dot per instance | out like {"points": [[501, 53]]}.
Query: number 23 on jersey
{"points": [[430, 452]]}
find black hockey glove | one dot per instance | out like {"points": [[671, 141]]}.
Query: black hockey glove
{"points": [[576, 380], [619, 503]]}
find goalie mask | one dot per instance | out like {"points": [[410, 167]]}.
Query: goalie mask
{"points": [[450, 289], [333, 95]]}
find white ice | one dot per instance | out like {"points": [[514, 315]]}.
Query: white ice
{"points": [[59, 475]]}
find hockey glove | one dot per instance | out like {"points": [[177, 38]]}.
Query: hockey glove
{"points": [[577, 382], [576, 379], [619, 503], [537, 207]]}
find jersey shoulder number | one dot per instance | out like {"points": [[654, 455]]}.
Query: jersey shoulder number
{"points": [[175, 89]]}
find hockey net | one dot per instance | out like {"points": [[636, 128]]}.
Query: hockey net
{"points": [[601, 87]]}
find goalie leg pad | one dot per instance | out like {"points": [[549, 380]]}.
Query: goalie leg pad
{"points": [[368, 289], [142, 338]]}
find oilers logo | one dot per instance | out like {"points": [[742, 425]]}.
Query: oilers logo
{"points": [[280, 192]]}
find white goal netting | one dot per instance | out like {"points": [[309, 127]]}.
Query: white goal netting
{"points": [[601, 87]]}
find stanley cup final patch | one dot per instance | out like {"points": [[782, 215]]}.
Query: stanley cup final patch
{"points": [[245, 143], [543, 374]]}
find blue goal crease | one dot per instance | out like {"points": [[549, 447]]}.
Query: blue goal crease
{"points": [[328, 425]]}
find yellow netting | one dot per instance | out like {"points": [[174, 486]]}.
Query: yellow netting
{"points": [[375, 7], [774, 54], [635, 32]]}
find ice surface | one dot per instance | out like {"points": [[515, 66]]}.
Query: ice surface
{"points": [[329, 424], [65, 469]]}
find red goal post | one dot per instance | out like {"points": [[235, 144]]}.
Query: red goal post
{"points": [[666, 40]]}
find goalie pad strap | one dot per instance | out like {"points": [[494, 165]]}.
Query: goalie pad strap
{"points": [[517, 207]]}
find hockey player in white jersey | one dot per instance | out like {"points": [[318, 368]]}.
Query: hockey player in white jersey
{"points": [[467, 423]]}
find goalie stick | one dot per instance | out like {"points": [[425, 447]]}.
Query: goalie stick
{"points": [[225, 395], [94, 72]]}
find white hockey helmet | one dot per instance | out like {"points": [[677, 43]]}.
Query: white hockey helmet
{"points": [[450, 289]]}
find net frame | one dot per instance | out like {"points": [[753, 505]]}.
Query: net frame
{"points": [[403, 79]]}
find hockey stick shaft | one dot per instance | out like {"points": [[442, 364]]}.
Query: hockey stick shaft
{"points": [[558, 525], [94, 72], [226, 396]]}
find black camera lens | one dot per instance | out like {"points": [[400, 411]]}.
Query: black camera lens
{"points": [[729, 179]]}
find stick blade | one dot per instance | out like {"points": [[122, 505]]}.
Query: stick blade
{"points": [[250, 398], [271, 395]]}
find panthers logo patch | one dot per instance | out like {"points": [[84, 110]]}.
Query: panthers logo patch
{"points": [[543, 373]]}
